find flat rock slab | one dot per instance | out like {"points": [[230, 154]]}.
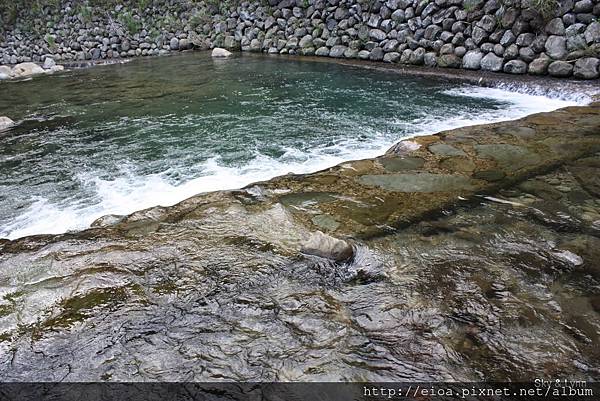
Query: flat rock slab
{"points": [[421, 182], [393, 164], [443, 149], [325, 222], [508, 156]]}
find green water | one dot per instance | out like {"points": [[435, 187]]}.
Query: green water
{"points": [[118, 138]]}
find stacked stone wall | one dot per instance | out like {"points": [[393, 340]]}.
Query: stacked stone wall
{"points": [[539, 37]]}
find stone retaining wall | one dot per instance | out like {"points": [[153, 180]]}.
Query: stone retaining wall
{"points": [[511, 36]]}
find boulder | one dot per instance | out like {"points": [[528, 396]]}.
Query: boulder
{"points": [[449, 61], [592, 33], [511, 52], [527, 54], [391, 57], [460, 51], [508, 38], [556, 26], [351, 53], [479, 35], [576, 42], [487, 23], [255, 45], [364, 54], [448, 48], [539, 43], [5, 72], [26, 69], [587, 68], [374, 21], [5, 123], [377, 35], [525, 39], [220, 53], [498, 50], [174, 44], [539, 66], [306, 41], [337, 51], [583, 6], [230, 42], [49, 63], [185, 44], [560, 69], [305, 51], [556, 47], [108, 220], [515, 67], [328, 247], [430, 59], [390, 46], [340, 13], [491, 62], [398, 15], [406, 55], [472, 60], [322, 51], [417, 57], [376, 54]]}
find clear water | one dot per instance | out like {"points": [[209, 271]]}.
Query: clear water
{"points": [[120, 138]]}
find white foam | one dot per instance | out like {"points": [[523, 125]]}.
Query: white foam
{"points": [[131, 192]]}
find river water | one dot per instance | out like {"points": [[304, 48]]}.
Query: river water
{"points": [[503, 289], [120, 138]]}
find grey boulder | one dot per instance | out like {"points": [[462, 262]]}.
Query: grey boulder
{"points": [[560, 69], [515, 67], [472, 60], [5, 123], [587, 68], [491, 62], [556, 47]]}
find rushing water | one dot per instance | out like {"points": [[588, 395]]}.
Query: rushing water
{"points": [[120, 138], [505, 289]]}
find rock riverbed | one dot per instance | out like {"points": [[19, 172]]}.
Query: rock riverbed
{"points": [[472, 250]]}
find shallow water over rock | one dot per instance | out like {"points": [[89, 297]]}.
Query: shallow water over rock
{"points": [[500, 288], [495, 292]]}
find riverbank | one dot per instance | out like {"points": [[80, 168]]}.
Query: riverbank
{"points": [[512, 37]]}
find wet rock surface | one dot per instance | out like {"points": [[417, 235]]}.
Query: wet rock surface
{"points": [[494, 280], [220, 53], [28, 69], [5, 123]]}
